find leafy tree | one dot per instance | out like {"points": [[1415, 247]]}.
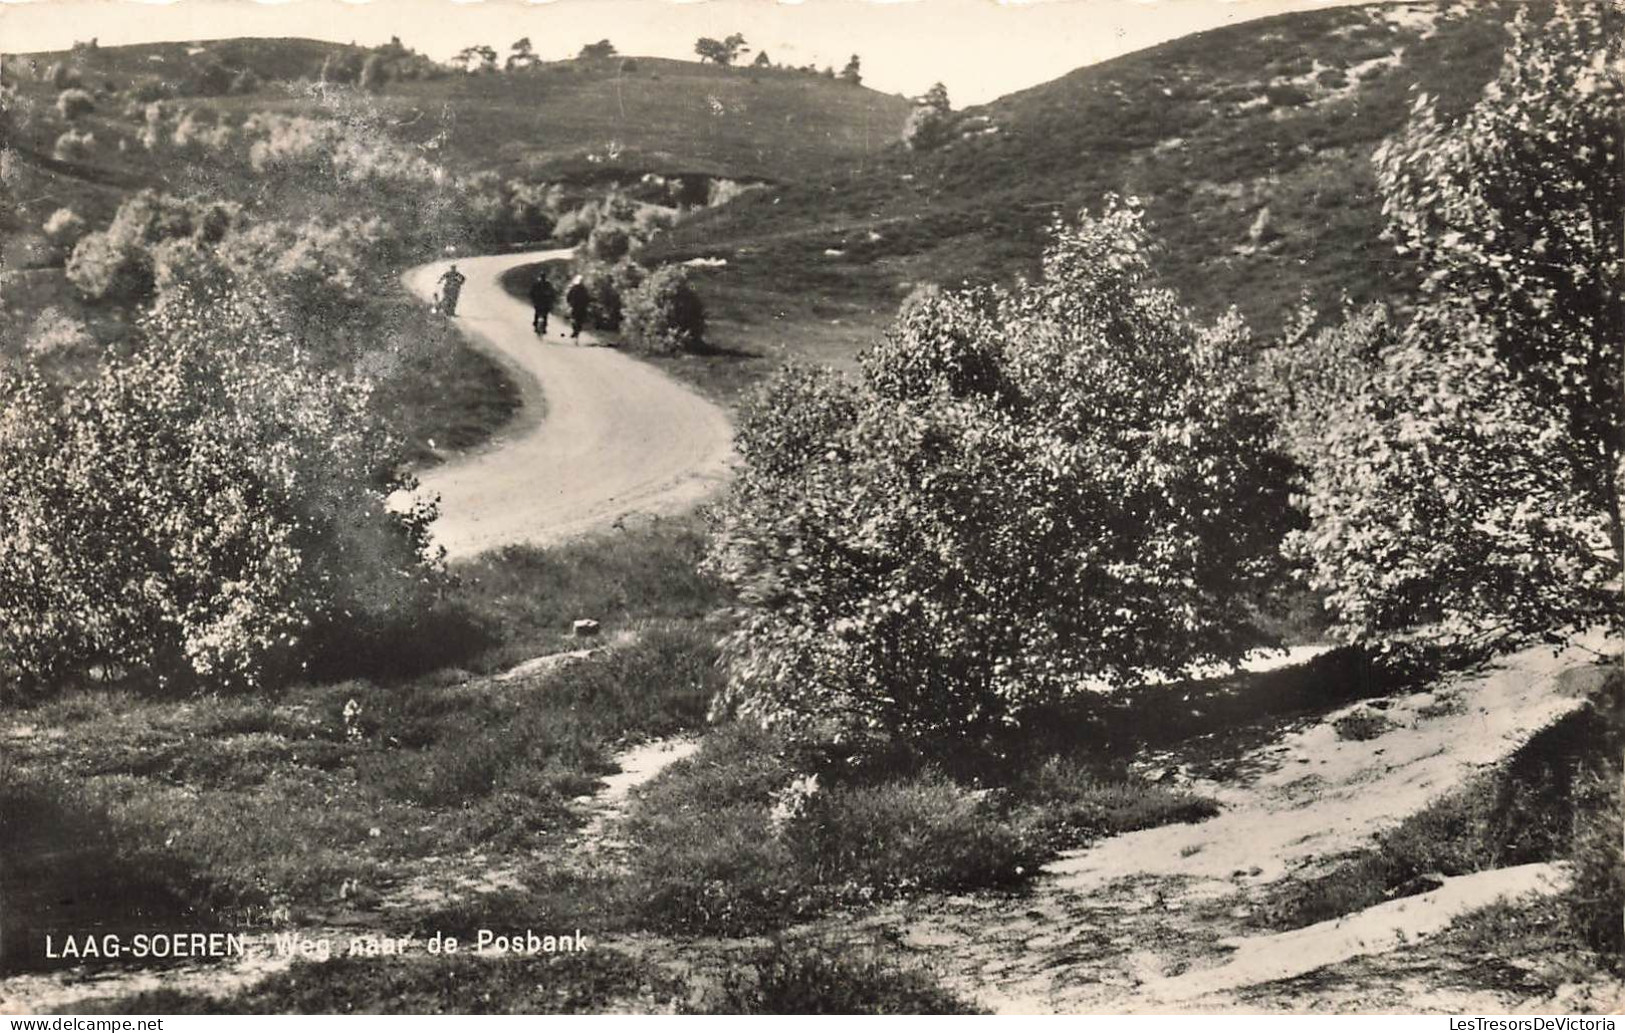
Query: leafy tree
{"points": [[521, 54], [851, 73], [198, 513], [721, 52], [930, 124], [1026, 495], [665, 313], [1464, 493], [601, 50], [480, 58], [937, 98]]}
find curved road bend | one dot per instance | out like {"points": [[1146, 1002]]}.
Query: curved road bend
{"points": [[619, 437]]}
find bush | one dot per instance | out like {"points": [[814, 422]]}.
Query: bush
{"points": [[65, 227], [576, 226], [1025, 495], [1286, 95], [606, 287], [233, 497], [118, 264], [531, 209], [608, 242], [72, 104], [64, 77], [74, 146], [1362, 725], [201, 129], [652, 219], [105, 268], [665, 314], [209, 78], [245, 81], [927, 128], [56, 333], [148, 91]]}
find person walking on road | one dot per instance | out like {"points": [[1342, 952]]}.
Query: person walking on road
{"points": [[542, 298], [577, 298], [451, 283]]}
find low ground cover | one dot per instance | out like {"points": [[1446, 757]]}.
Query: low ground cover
{"points": [[223, 809]]}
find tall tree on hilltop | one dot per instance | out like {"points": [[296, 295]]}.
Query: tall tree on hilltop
{"points": [[521, 55], [719, 51]]}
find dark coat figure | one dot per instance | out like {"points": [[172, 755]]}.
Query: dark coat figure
{"points": [[543, 295], [578, 298], [451, 288]]}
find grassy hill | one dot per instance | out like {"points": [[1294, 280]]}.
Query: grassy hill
{"points": [[585, 119], [1249, 145], [577, 125]]}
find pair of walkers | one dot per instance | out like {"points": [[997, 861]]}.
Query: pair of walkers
{"points": [[543, 296]]}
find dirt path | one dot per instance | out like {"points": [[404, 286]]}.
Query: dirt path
{"points": [[619, 436], [1157, 920]]}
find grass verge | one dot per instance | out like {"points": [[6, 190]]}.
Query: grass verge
{"points": [[124, 810], [738, 840]]}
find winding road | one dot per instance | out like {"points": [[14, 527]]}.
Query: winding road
{"points": [[619, 437]]}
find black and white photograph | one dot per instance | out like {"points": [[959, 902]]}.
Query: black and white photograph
{"points": [[804, 507]]}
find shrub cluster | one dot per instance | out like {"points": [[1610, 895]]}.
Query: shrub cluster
{"points": [[74, 145], [74, 103], [122, 263], [65, 227], [1027, 495], [197, 512], [664, 314]]}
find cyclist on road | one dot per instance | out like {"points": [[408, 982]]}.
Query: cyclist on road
{"points": [[451, 288]]}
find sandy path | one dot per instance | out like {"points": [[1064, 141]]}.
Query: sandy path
{"points": [[1154, 920], [619, 437]]}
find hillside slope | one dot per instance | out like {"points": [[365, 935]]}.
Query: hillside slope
{"points": [[583, 119], [1249, 145]]}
